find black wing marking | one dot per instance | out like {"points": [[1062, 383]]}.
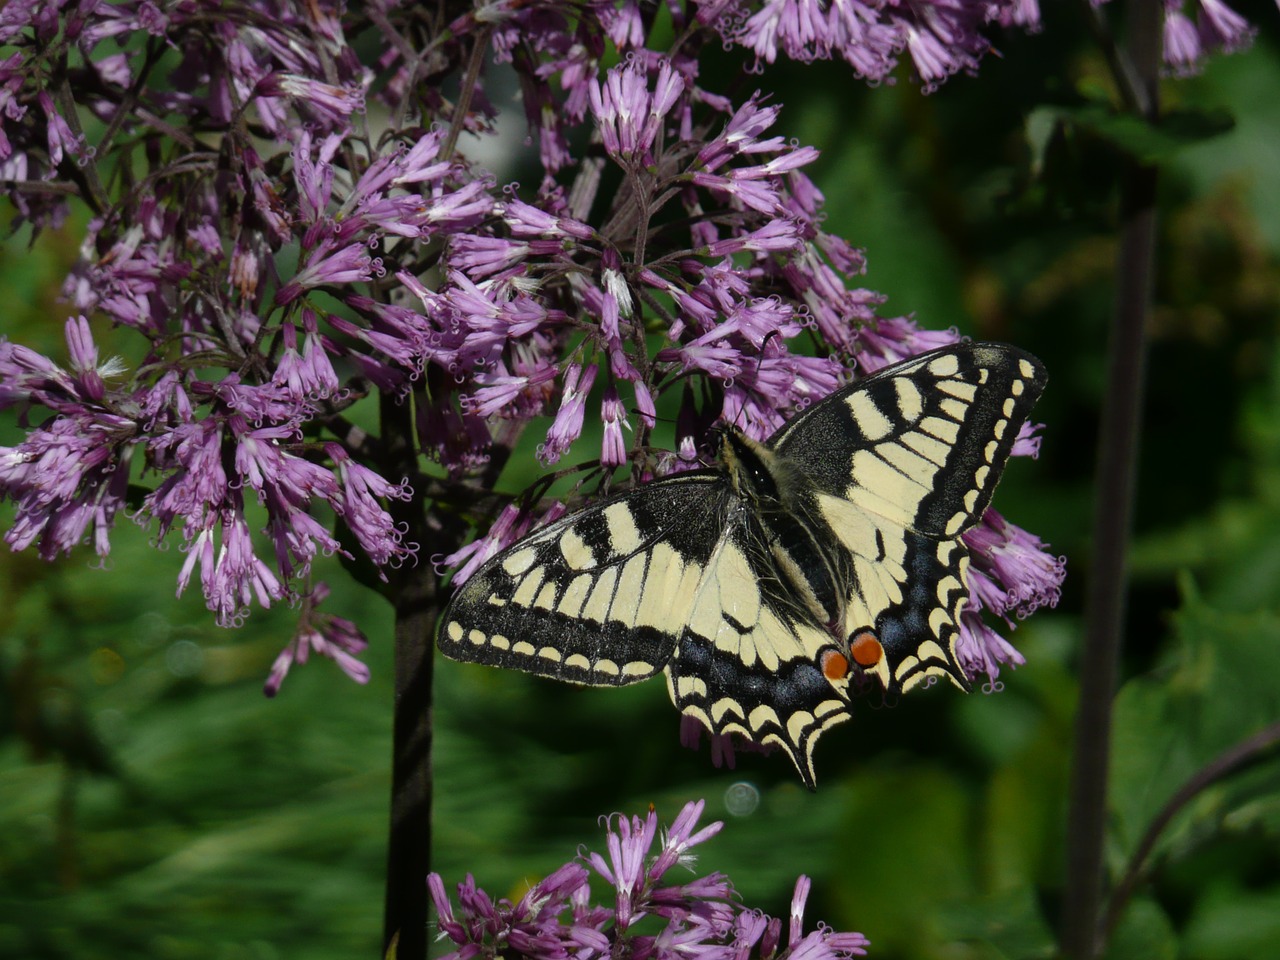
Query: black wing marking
{"points": [[923, 442]]}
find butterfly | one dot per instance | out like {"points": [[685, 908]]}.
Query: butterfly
{"points": [[763, 586]]}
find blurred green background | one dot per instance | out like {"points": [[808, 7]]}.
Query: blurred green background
{"points": [[154, 803]]}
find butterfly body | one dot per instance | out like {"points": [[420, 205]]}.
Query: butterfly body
{"points": [[762, 586]]}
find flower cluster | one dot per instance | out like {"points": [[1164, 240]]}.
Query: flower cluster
{"points": [[284, 258], [321, 633], [690, 919], [1212, 27]]}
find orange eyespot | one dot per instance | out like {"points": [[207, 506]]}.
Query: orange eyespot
{"points": [[834, 665], [866, 649]]}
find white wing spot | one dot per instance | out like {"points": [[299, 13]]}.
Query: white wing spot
{"points": [[1017, 388], [765, 715], [980, 477], [929, 650], [626, 598], [691, 687], [624, 537], [528, 588], [954, 409], [874, 594], [853, 526], [499, 641], [1008, 407], [637, 668], [872, 473], [871, 419], [739, 589], [909, 463], [550, 653], [520, 561], [931, 448], [477, 637], [797, 724], [663, 602], [724, 707], [577, 555], [577, 661], [910, 402], [571, 602], [947, 365], [607, 667], [899, 512], [958, 388], [546, 597], [597, 606], [1026, 369], [944, 430], [523, 647], [690, 710], [454, 630]]}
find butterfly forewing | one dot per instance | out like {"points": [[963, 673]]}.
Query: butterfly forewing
{"points": [[599, 597], [923, 442]]}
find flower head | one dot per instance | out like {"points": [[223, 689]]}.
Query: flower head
{"points": [[700, 918]]}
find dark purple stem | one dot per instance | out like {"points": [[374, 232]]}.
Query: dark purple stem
{"points": [[1117, 468], [416, 603]]}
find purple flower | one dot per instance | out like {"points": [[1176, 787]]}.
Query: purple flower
{"points": [[567, 426], [362, 488], [556, 919], [629, 114], [613, 452], [324, 634], [1217, 28], [943, 37], [1018, 560]]}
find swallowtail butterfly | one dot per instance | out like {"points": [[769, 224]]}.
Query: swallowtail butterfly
{"points": [[763, 585]]}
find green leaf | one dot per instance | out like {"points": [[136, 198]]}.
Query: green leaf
{"points": [[1144, 931], [1232, 922], [1219, 690], [1142, 139], [1009, 924]]}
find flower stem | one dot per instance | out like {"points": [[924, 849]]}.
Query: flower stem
{"points": [[1116, 470], [416, 602]]}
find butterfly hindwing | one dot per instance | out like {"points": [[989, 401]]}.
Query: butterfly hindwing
{"points": [[749, 662]]}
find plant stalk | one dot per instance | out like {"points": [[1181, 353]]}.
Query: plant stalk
{"points": [[416, 603], [1113, 512]]}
